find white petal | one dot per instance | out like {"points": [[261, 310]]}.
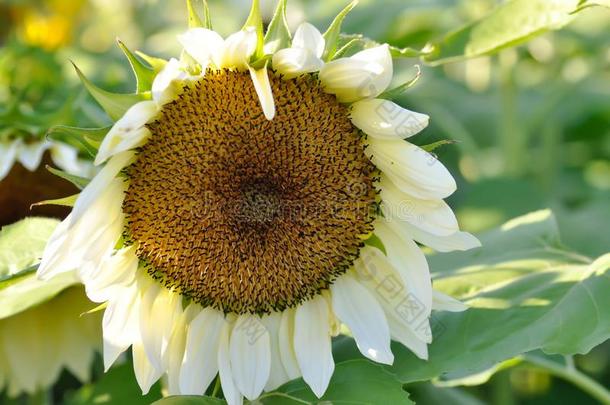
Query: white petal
{"points": [[389, 287], [66, 158], [120, 324], [30, 154], [363, 75], [413, 170], [199, 364], [176, 353], [363, 315], [238, 48], [312, 344], [405, 335], [384, 119], [229, 389], [250, 355], [146, 374], [457, 241], [308, 37], [99, 183], [8, 154], [292, 62], [408, 259], [168, 82], [128, 132], [277, 373], [115, 272], [286, 342], [158, 311], [260, 79], [203, 45], [444, 302], [433, 216], [93, 237]]}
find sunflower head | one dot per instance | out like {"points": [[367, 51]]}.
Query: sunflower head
{"points": [[260, 187]]}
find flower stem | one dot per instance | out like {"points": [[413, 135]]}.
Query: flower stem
{"points": [[570, 374]]}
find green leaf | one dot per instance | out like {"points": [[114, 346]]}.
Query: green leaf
{"points": [[510, 24], [116, 387], [255, 20], [331, 36], [22, 243], [189, 400], [78, 181], [278, 33], [353, 382], [114, 104], [21, 246], [525, 293], [144, 74], [357, 382], [198, 19]]}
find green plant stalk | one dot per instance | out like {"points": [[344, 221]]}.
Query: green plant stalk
{"points": [[513, 136], [570, 374]]}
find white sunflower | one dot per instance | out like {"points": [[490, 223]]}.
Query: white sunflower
{"points": [[262, 198], [30, 153], [41, 328]]}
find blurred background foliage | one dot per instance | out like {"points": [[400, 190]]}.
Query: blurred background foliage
{"points": [[531, 124]]}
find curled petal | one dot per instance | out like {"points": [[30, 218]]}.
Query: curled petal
{"points": [[238, 48], [292, 62], [363, 75], [128, 132], [308, 37], [260, 79], [203, 45]]}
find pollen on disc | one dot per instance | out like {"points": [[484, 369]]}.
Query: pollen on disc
{"points": [[244, 214]]}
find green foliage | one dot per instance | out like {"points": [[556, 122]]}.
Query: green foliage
{"points": [[78, 181], [354, 382], [88, 138], [144, 74], [198, 14], [525, 293], [116, 387], [510, 24], [21, 245], [331, 36], [278, 33]]}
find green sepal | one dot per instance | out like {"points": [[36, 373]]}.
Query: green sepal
{"points": [[331, 36], [95, 309], [144, 73], [261, 63], [88, 138], [346, 48], [434, 145], [80, 182], [407, 52], [278, 33], [114, 104], [375, 241], [157, 64], [255, 19], [196, 19], [68, 201], [397, 91]]}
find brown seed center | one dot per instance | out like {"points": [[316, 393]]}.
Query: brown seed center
{"points": [[245, 214]]}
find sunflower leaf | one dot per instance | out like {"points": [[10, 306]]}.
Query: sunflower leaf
{"points": [[114, 104], [144, 74], [21, 245], [331, 36], [80, 182], [278, 33], [511, 23], [525, 293]]}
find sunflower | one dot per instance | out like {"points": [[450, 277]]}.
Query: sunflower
{"points": [[41, 330], [261, 199]]}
